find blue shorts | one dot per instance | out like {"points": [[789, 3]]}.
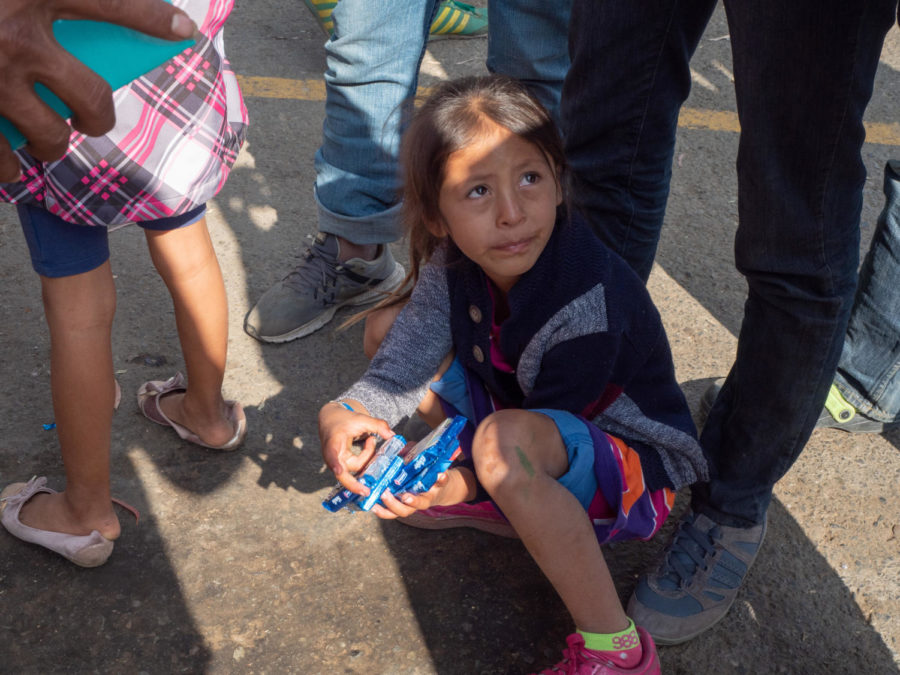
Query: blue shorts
{"points": [[59, 248], [604, 473], [579, 479]]}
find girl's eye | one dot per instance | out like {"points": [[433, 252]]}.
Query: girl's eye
{"points": [[530, 178], [478, 191]]}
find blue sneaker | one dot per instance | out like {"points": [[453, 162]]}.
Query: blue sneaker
{"points": [[697, 581]]}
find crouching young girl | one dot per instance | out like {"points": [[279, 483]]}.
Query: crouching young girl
{"points": [[546, 341]]}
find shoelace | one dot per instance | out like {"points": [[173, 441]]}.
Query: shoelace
{"points": [[318, 270], [688, 552]]}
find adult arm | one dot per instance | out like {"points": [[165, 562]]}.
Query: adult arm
{"points": [[29, 53]]}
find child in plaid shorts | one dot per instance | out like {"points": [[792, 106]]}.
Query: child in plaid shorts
{"points": [[178, 132]]}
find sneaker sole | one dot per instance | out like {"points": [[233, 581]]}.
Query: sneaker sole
{"points": [[864, 426], [394, 281], [423, 522], [671, 642]]}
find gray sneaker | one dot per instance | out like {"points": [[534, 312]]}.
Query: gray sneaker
{"points": [[308, 297], [697, 580], [839, 414]]}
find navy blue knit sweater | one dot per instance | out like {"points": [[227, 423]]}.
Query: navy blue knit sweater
{"points": [[582, 334]]}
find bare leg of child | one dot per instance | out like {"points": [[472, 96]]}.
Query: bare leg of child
{"points": [[518, 457], [378, 323], [187, 263], [79, 310]]}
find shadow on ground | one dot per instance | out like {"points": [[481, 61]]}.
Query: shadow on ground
{"points": [[484, 607], [235, 567]]}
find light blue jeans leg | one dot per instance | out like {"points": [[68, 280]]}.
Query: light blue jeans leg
{"points": [[372, 68], [528, 40], [373, 62], [868, 374]]}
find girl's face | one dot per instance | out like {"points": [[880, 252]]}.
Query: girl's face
{"points": [[498, 203]]}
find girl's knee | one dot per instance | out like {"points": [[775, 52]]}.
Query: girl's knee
{"points": [[504, 450], [372, 338], [378, 323]]}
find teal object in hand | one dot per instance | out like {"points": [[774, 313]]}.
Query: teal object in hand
{"points": [[119, 55]]}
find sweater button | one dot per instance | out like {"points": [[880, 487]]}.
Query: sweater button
{"points": [[478, 354], [475, 313]]}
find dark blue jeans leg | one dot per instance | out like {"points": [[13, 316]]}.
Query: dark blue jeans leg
{"points": [[628, 78], [868, 373], [803, 76]]}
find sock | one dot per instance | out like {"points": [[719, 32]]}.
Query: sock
{"points": [[348, 250], [622, 648]]}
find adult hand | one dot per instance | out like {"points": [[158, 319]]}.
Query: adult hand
{"points": [[29, 53]]}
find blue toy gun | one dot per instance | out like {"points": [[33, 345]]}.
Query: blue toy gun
{"points": [[398, 469]]}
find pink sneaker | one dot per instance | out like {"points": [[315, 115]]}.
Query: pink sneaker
{"points": [[482, 516], [580, 661]]}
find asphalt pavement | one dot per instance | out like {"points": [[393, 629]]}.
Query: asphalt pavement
{"points": [[234, 566]]}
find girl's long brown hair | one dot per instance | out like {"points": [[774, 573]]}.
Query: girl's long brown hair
{"points": [[450, 119]]}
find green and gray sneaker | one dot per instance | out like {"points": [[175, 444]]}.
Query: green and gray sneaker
{"points": [[458, 20], [454, 19], [321, 10], [838, 413], [308, 297]]}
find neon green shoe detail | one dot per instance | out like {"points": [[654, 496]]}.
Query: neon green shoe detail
{"points": [[454, 19], [838, 407], [321, 10], [841, 414]]}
